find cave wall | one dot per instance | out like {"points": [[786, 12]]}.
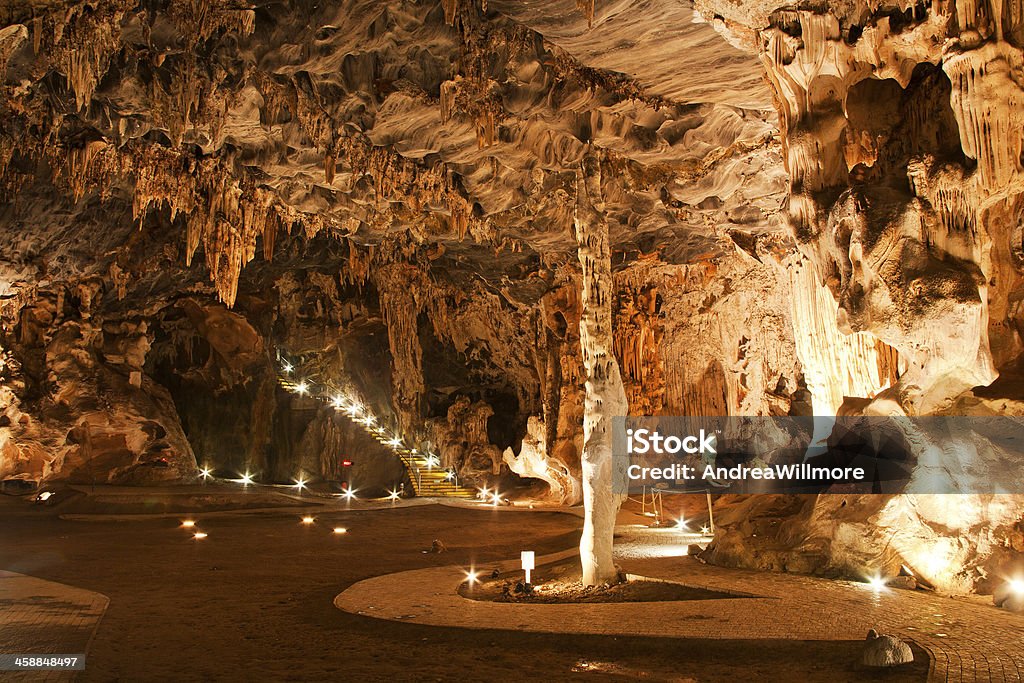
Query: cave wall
{"points": [[902, 136]]}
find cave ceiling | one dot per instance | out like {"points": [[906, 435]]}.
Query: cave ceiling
{"points": [[140, 135]]}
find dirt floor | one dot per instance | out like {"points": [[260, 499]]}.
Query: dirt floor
{"points": [[253, 602], [561, 583]]}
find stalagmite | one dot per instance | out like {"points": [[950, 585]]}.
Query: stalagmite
{"points": [[605, 396]]}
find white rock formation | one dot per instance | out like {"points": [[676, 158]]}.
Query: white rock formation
{"points": [[605, 396], [533, 462], [885, 650]]}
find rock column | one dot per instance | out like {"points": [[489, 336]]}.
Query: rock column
{"points": [[605, 396]]}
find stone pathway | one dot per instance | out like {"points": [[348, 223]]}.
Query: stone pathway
{"points": [[43, 617], [966, 639]]}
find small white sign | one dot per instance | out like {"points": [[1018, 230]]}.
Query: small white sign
{"points": [[527, 557]]}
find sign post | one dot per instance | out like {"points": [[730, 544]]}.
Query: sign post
{"points": [[527, 557]]}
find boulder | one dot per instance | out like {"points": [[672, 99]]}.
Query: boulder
{"points": [[885, 651]]}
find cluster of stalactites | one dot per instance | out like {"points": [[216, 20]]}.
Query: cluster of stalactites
{"points": [[638, 332], [223, 214], [423, 188], [79, 40]]}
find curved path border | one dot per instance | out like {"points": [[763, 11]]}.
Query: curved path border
{"points": [[966, 639], [45, 617]]}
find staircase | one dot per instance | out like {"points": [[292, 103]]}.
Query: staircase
{"points": [[425, 472], [429, 480]]}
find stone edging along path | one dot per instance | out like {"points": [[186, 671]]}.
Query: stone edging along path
{"points": [[46, 617], [966, 639]]}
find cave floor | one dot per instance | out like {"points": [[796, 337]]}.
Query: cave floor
{"points": [[254, 601], [961, 638]]}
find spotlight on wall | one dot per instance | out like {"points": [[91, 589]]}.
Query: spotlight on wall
{"points": [[681, 525], [302, 388], [395, 442], [287, 367], [1017, 586], [705, 530], [338, 402]]}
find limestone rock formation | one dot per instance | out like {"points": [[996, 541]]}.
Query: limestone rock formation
{"points": [[885, 651], [605, 396], [809, 208]]}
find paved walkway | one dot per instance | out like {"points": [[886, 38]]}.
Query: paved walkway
{"points": [[966, 639], [43, 617]]}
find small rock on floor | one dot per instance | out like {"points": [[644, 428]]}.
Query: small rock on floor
{"points": [[885, 650]]}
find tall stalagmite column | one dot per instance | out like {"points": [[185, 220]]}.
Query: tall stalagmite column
{"points": [[605, 396]]}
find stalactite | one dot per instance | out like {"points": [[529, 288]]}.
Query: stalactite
{"points": [[587, 7], [451, 8], [401, 308], [638, 331]]}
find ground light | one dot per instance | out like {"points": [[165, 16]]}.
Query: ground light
{"points": [[340, 530], [205, 473], [349, 494], [471, 576], [188, 523], [246, 479], [199, 535], [308, 519], [300, 484], [1017, 587], [877, 583], [681, 525], [393, 495], [705, 530], [302, 388]]}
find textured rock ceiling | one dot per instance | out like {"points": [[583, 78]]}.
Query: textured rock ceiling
{"points": [[398, 120]]}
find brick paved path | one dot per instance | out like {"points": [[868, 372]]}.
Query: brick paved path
{"points": [[966, 639], [43, 617]]}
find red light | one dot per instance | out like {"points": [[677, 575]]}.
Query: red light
{"points": [[346, 463]]}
